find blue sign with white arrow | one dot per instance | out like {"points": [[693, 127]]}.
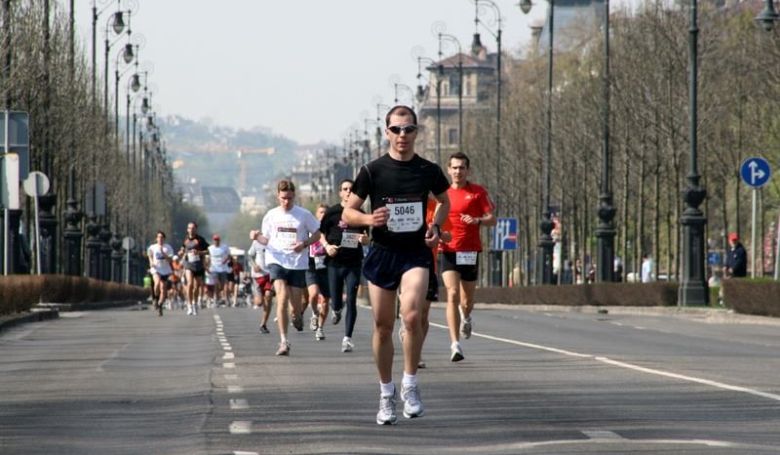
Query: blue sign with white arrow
{"points": [[755, 172]]}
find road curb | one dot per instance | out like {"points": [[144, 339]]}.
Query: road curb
{"points": [[88, 306], [12, 320]]}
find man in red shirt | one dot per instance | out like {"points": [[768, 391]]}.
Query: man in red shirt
{"points": [[470, 208]]}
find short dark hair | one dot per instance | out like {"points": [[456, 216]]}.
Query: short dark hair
{"points": [[161, 233], [460, 156], [400, 107], [343, 181], [285, 185]]}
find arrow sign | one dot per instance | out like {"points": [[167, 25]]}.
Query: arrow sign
{"points": [[755, 172]]}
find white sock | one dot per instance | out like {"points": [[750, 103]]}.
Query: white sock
{"points": [[284, 338], [455, 344], [409, 380], [386, 390], [347, 339]]}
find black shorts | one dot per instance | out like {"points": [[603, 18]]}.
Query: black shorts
{"points": [[196, 268], [163, 278], [467, 272], [384, 268], [320, 278], [294, 278]]}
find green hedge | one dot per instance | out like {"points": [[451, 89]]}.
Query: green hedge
{"points": [[760, 297], [20, 292], [618, 294]]}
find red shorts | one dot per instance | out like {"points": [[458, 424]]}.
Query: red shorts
{"points": [[263, 283]]}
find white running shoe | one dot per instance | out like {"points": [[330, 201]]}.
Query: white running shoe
{"points": [[319, 334], [284, 348], [413, 406], [189, 309], [465, 327], [386, 414], [347, 345], [456, 352], [314, 322]]}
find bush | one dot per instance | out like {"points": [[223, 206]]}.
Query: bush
{"points": [[618, 294], [20, 292], [760, 297]]}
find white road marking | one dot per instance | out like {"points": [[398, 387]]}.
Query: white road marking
{"points": [[228, 365], [238, 404], [639, 327], [227, 347], [708, 382], [241, 427], [228, 355], [235, 389], [602, 434], [111, 357], [239, 452], [716, 384]]}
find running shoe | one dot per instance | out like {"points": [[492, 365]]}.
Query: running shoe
{"points": [[314, 322], [319, 334], [264, 329], [386, 414], [297, 322], [421, 364], [347, 345], [457, 352], [413, 406], [465, 327], [284, 348], [189, 309], [159, 309], [336, 316]]}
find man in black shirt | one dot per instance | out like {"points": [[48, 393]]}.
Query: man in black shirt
{"points": [[344, 245], [398, 185], [194, 248], [736, 259]]}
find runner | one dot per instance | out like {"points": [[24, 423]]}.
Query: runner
{"points": [[217, 264], [398, 184], [287, 231], [176, 295], [262, 289], [470, 208], [160, 255], [317, 282], [344, 246], [234, 279], [194, 248]]}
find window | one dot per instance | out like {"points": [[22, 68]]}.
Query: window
{"points": [[452, 136]]}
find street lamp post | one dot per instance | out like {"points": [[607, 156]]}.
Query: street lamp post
{"points": [[118, 24], [453, 39], [126, 53], [693, 286], [768, 16], [546, 244], [128, 56], [605, 232], [497, 35]]}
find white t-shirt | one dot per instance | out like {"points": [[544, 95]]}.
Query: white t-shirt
{"points": [[283, 230], [647, 271], [217, 257], [256, 254], [160, 255]]}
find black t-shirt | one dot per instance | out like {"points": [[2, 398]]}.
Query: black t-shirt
{"points": [[333, 228], [191, 246], [402, 187]]}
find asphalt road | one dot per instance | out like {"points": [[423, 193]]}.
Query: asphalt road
{"points": [[127, 382]]}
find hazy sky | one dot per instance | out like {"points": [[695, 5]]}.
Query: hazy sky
{"points": [[308, 69]]}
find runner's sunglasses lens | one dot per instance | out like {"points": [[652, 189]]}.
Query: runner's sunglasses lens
{"points": [[408, 129]]}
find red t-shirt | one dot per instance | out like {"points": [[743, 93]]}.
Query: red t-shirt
{"points": [[470, 200]]}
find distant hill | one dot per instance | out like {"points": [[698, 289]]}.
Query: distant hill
{"points": [[209, 153]]}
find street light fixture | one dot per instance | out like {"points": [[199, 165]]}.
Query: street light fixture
{"points": [[605, 231], [453, 39], [693, 286], [768, 16], [546, 243], [497, 36]]}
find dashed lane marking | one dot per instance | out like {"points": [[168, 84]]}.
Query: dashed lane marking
{"points": [[239, 452], [235, 389], [238, 404], [228, 365], [241, 427], [602, 434], [228, 355]]}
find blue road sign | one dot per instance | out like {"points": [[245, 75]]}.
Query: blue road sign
{"points": [[755, 171], [505, 234], [713, 258]]}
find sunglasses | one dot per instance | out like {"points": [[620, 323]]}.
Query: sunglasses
{"points": [[408, 129]]}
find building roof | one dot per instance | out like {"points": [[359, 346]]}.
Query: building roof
{"points": [[469, 61]]}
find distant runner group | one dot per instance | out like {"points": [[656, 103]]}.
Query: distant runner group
{"points": [[415, 215]]}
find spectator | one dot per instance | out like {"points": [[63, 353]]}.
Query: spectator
{"points": [[736, 260], [648, 269]]}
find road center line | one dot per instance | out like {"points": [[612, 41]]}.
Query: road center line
{"points": [[629, 366]]}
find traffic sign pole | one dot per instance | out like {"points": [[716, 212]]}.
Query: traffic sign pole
{"points": [[755, 172], [753, 234]]}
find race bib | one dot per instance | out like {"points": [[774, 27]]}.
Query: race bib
{"points": [[405, 216], [287, 237], [350, 240], [466, 258], [193, 256], [319, 262]]}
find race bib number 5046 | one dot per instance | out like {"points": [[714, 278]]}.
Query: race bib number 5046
{"points": [[405, 216]]}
